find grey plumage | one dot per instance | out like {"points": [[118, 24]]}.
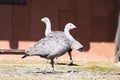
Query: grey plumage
{"points": [[48, 33], [51, 47]]}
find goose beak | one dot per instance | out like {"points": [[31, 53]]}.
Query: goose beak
{"points": [[42, 20], [75, 27], [80, 49]]}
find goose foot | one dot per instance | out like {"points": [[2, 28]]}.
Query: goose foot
{"points": [[71, 62]]}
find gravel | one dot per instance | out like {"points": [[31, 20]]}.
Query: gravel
{"points": [[34, 72]]}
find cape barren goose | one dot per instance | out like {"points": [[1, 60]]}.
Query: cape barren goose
{"points": [[51, 47], [49, 33]]}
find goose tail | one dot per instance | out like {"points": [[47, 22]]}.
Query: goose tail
{"points": [[80, 49], [25, 56]]}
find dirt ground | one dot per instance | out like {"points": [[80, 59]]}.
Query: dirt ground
{"points": [[33, 70]]}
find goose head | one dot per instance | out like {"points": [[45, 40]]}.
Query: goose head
{"points": [[45, 19], [70, 26]]}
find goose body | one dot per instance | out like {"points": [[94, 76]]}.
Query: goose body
{"points": [[51, 47], [48, 33]]}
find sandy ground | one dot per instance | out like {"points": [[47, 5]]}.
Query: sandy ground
{"points": [[33, 70]]}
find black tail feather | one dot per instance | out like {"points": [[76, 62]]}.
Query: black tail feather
{"points": [[80, 49], [25, 55]]}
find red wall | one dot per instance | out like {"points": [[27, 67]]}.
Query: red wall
{"points": [[20, 25]]}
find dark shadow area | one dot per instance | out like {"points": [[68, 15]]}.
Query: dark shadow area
{"points": [[73, 65], [67, 64], [61, 64]]}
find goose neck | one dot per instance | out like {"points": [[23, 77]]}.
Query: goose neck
{"points": [[48, 28], [69, 36]]}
